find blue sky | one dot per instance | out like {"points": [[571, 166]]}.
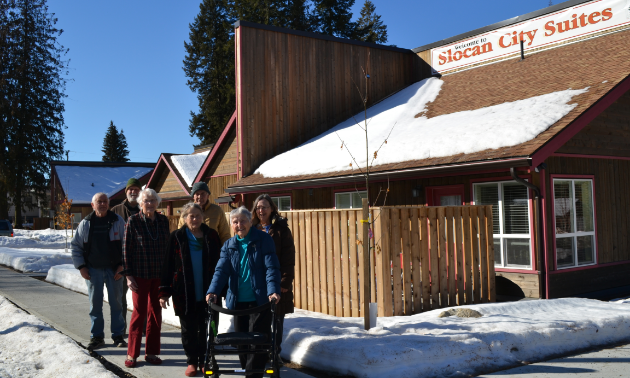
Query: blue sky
{"points": [[126, 63]]}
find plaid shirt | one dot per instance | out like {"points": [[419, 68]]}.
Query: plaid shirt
{"points": [[145, 245]]}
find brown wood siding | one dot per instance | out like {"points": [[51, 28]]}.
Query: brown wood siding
{"points": [[291, 88], [608, 134], [588, 281], [168, 186], [217, 187], [518, 284], [226, 159]]}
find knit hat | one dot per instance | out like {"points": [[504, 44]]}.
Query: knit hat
{"points": [[199, 186], [133, 182]]}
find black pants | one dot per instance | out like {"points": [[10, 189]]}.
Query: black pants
{"points": [[194, 327], [280, 330], [260, 322]]}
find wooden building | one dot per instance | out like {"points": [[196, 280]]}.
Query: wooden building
{"points": [[80, 180], [563, 233]]}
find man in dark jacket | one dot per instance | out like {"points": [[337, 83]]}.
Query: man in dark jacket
{"points": [[97, 254], [126, 209]]}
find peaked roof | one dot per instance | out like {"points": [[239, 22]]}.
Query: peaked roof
{"points": [[600, 64], [165, 162], [217, 146]]}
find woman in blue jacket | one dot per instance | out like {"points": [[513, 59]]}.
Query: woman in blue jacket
{"points": [[250, 267]]}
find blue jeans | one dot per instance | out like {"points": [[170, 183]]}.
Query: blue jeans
{"points": [[98, 278]]}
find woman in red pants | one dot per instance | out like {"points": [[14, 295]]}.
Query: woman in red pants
{"points": [[144, 246]]}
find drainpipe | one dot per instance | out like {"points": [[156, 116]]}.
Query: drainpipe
{"points": [[539, 228]]}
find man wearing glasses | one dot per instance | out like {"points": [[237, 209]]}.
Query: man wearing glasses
{"points": [[213, 215], [97, 254]]}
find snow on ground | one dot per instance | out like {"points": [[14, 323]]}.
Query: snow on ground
{"points": [[67, 276], [35, 251], [31, 348], [502, 125], [189, 165], [81, 183], [424, 345], [621, 300]]}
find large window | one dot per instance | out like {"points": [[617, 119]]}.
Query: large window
{"points": [[510, 222], [283, 203], [349, 200], [574, 218]]}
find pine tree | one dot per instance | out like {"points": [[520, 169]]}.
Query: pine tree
{"points": [[115, 145], [32, 81], [369, 27], [333, 17], [297, 15]]}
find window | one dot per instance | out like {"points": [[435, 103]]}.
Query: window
{"points": [[574, 218], [510, 222], [283, 203], [349, 200]]}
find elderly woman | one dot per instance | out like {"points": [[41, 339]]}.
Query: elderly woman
{"points": [[193, 253], [267, 218], [144, 246], [249, 266]]}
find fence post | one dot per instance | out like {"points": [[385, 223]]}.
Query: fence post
{"points": [[365, 285]]}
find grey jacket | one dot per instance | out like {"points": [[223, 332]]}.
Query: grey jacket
{"points": [[80, 245]]}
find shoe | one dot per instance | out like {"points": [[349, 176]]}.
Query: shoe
{"points": [[95, 343], [155, 360], [130, 363], [119, 342], [191, 371]]}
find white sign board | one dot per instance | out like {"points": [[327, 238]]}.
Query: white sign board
{"points": [[561, 26]]}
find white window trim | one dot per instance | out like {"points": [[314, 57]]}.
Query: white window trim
{"points": [[574, 235], [350, 192], [290, 202], [501, 235]]}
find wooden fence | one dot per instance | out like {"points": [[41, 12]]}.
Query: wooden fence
{"points": [[424, 258]]}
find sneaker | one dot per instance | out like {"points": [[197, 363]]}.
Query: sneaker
{"points": [[119, 342], [191, 371], [95, 343]]}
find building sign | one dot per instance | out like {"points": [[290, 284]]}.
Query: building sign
{"points": [[559, 27]]}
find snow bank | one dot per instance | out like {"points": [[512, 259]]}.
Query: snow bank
{"points": [[621, 300], [507, 124], [424, 345], [81, 183], [31, 348], [189, 165], [37, 260], [41, 239], [70, 278]]}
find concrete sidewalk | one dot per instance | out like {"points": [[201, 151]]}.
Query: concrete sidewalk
{"points": [[67, 311]]}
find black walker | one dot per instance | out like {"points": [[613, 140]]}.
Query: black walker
{"points": [[257, 339]]}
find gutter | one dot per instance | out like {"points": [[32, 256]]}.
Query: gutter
{"points": [[382, 176]]}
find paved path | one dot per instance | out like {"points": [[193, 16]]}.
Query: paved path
{"points": [[68, 311], [611, 362]]}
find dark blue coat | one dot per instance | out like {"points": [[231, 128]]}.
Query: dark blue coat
{"points": [[263, 264]]}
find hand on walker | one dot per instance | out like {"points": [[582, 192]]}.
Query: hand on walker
{"points": [[274, 296], [164, 302], [211, 296], [131, 282]]}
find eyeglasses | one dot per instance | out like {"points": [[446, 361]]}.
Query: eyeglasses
{"points": [[262, 208], [150, 201]]}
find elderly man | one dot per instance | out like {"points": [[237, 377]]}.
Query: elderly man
{"points": [[126, 209], [97, 254], [213, 215]]}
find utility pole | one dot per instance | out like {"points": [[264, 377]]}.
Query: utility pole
{"points": [[67, 153]]}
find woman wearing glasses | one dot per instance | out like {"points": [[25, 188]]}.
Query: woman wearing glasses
{"points": [[144, 246], [267, 218]]}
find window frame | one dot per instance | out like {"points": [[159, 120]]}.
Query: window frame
{"points": [[344, 191], [499, 181], [431, 191], [283, 196], [574, 235]]}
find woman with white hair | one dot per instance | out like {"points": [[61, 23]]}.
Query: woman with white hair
{"points": [[250, 267], [144, 246]]}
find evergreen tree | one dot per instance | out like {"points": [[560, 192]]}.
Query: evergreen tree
{"points": [[297, 15], [32, 83], [209, 66], [115, 145], [332, 17], [369, 27]]}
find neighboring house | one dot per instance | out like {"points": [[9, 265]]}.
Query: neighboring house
{"points": [[80, 180], [39, 210], [470, 120]]}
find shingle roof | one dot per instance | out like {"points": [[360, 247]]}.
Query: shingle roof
{"points": [[598, 63]]}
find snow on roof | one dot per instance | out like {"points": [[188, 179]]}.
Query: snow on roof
{"points": [[418, 137], [189, 165], [77, 180]]}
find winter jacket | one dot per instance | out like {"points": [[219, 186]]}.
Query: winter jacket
{"points": [[177, 274], [285, 250], [263, 262], [123, 210], [81, 242], [214, 217]]}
